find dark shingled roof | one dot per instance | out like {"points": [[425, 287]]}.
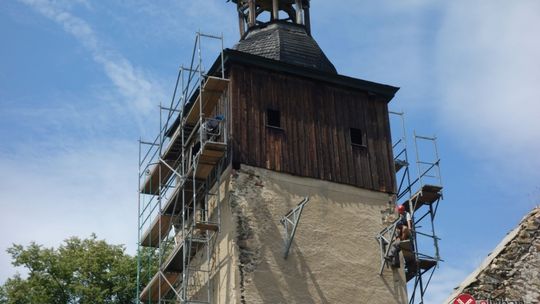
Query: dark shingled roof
{"points": [[286, 42]]}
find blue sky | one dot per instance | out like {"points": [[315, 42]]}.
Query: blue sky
{"points": [[80, 82]]}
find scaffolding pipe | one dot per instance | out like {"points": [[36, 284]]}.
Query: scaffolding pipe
{"points": [[139, 229], [222, 57]]}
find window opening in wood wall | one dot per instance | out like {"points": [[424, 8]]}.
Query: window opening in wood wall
{"points": [[273, 118], [357, 137]]}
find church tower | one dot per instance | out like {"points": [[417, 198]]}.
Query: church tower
{"points": [[270, 175]]}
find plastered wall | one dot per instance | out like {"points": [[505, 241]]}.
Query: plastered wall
{"points": [[334, 257]]}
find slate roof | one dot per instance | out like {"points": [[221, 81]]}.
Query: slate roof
{"points": [[286, 42]]}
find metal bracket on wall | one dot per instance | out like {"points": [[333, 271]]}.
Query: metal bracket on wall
{"points": [[290, 222]]}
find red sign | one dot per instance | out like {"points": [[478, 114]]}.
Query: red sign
{"points": [[464, 299]]}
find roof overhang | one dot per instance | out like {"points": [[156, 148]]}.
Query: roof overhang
{"points": [[232, 56]]}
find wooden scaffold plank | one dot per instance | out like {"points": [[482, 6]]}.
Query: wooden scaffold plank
{"points": [[213, 88]]}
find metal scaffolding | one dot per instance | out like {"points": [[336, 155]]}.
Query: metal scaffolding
{"points": [[421, 198], [179, 178]]}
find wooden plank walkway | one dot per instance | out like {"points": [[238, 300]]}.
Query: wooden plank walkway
{"points": [[427, 195]]}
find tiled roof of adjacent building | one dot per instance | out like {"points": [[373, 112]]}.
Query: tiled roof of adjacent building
{"points": [[512, 271], [286, 42]]}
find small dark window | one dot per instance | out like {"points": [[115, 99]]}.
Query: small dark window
{"points": [[357, 137], [273, 118]]}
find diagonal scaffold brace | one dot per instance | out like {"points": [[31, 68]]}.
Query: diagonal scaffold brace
{"points": [[290, 223]]}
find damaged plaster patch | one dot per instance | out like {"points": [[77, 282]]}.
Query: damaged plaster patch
{"points": [[249, 246]]}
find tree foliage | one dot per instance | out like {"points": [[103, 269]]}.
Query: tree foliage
{"points": [[79, 271]]}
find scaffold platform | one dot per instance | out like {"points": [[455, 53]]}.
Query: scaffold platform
{"points": [[412, 262], [157, 175], [399, 164], [210, 155], [158, 286], [161, 223], [174, 262], [426, 195], [211, 93]]}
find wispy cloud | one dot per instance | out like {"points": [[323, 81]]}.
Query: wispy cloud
{"points": [[57, 123], [139, 91], [68, 173], [172, 24], [488, 73]]}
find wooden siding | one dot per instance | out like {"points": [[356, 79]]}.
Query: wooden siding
{"points": [[314, 139]]}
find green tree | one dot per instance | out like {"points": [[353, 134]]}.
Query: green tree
{"points": [[79, 271]]}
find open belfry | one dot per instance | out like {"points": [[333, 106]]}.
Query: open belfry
{"points": [[274, 179]]}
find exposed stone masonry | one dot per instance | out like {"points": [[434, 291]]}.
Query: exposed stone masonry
{"points": [[246, 238], [513, 273]]}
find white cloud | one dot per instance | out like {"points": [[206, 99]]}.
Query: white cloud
{"points": [[174, 23], [488, 73], [140, 92], [70, 175], [71, 192]]}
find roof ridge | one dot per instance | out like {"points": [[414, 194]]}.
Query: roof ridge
{"points": [[288, 43], [499, 248]]}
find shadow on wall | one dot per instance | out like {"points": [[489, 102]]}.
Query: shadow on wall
{"points": [[297, 275]]}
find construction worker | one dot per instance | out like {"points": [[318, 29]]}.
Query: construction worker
{"points": [[211, 126], [404, 224], [211, 130], [403, 232]]}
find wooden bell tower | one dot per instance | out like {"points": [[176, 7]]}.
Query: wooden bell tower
{"points": [[294, 113], [300, 129], [296, 11]]}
